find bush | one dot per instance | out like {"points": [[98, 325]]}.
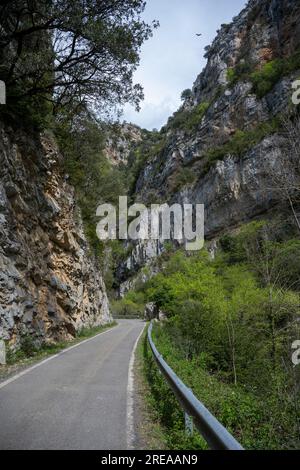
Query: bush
{"points": [[131, 306], [196, 115], [256, 424], [188, 120], [239, 72], [186, 94], [241, 142], [230, 325], [183, 177], [265, 79], [28, 345]]}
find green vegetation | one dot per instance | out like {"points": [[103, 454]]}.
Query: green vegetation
{"points": [[231, 322], [131, 306], [186, 94], [29, 349], [188, 120], [164, 407], [152, 146], [265, 79], [148, 427], [183, 177], [67, 54], [239, 72], [242, 142], [95, 179]]}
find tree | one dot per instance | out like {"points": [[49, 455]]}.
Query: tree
{"points": [[284, 174], [186, 94], [72, 52], [82, 142]]}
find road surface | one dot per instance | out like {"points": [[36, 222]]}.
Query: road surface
{"points": [[77, 400]]}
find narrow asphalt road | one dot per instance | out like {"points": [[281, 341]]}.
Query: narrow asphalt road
{"points": [[77, 400]]}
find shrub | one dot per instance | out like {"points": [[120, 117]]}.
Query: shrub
{"points": [[264, 80], [228, 334], [188, 120], [183, 177], [186, 94], [132, 305], [177, 121], [28, 346], [196, 115], [241, 142], [239, 72]]}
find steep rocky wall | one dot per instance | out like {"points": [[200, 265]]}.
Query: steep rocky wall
{"points": [[236, 188], [120, 140], [49, 285]]}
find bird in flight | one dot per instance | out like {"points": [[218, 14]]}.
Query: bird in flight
{"points": [[199, 34]]}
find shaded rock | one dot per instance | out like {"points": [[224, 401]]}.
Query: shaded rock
{"points": [[151, 311]]}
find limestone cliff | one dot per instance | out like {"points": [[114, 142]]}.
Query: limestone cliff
{"points": [[119, 142], [49, 283], [223, 145]]}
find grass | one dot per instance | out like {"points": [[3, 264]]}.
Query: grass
{"points": [[28, 352], [151, 435], [165, 411]]}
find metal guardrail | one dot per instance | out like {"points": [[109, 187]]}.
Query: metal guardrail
{"points": [[217, 437]]}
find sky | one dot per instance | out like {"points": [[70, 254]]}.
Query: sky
{"points": [[173, 58]]}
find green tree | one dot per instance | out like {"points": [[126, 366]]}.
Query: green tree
{"points": [[72, 53], [186, 94]]}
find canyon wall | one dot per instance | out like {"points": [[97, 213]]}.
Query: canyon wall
{"points": [[50, 285], [225, 144]]}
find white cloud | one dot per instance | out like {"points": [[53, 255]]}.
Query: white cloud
{"points": [[172, 59], [152, 115]]}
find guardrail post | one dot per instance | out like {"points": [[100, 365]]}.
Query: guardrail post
{"points": [[2, 353], [2, 92], [189, 425]]}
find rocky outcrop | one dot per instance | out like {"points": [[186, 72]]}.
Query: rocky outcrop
{"points": [[152, 311], [238, 185], [120, 141], [50, 286]]}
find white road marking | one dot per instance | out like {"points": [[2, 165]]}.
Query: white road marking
{"points": [[26, 371], [130, 396]]}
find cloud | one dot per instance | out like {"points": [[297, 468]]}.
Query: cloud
{"points": [[152, 115], [172, 59]]}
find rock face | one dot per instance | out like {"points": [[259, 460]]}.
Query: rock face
{"points": [[50, 286], [237, 187], [152, 311], [120, 141]]}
